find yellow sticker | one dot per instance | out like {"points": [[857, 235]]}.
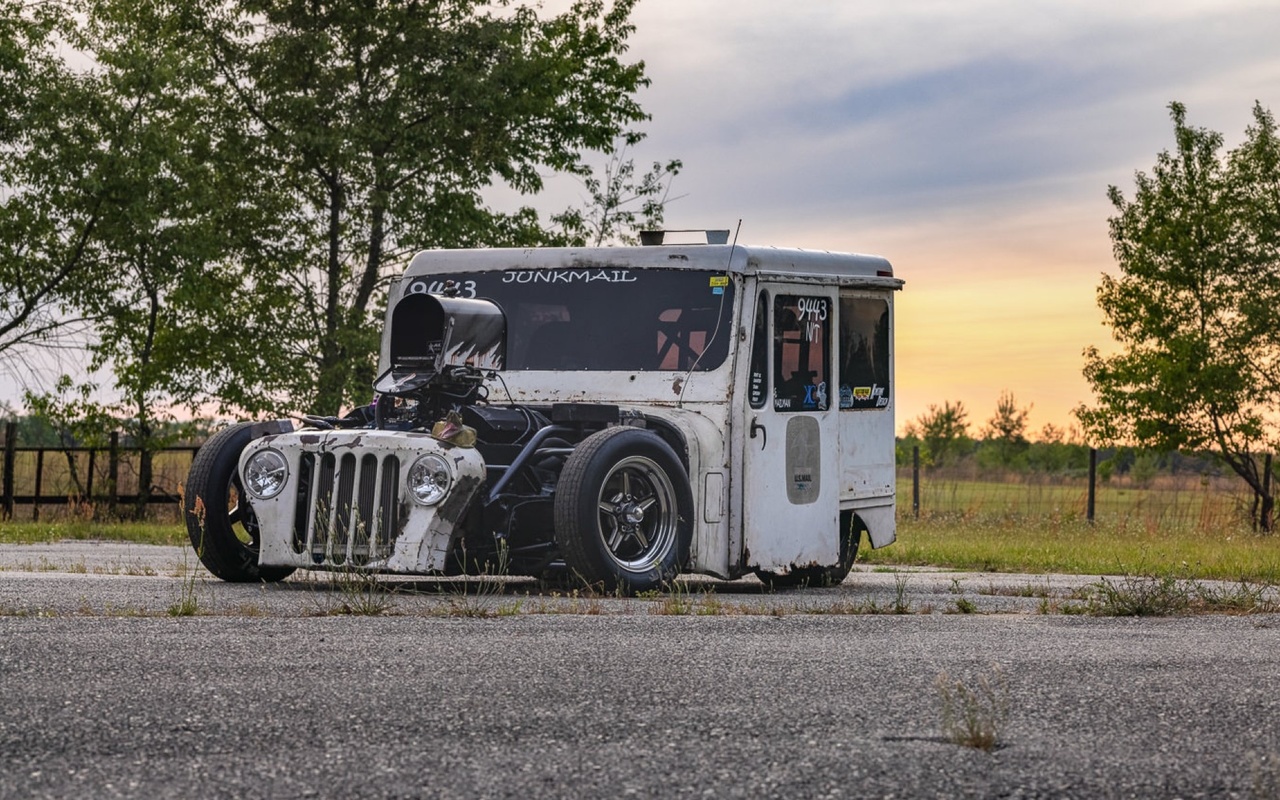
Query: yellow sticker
{"points": [[719, 280]]}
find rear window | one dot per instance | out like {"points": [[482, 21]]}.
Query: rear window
{"points": [[864, 352], [601, 318]]}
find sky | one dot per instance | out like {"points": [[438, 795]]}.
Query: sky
{"points": [[971, 143]]}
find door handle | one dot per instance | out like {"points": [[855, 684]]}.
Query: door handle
{"points": [[756, 426]]}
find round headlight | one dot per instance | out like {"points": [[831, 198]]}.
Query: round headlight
{"points": [[429, 479], [265, 473]]}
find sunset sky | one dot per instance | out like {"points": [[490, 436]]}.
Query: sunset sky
{"points": [[970, 143]]}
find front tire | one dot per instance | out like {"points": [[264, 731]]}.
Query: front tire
{"points": [[624, 511], [220, 522]]}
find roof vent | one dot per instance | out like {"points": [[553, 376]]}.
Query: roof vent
{"points": [[690, 236]]}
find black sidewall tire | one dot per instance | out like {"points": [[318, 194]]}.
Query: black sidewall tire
{"points": [[577, 514], [851, 528], [210, 529]]}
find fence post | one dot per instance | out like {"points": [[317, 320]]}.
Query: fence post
{"points": [[1268, 524], [88, 482], [10, 454], [915, 481], [1093, 484], [113, 473], [35, 506]]}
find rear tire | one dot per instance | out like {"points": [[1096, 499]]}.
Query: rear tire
{"points": [[624, 511], [851, 529], [220, 522]]}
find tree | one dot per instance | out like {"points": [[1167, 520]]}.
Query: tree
{"points": [[609, 214], [382, 124], [944, 431], [1005, 435], [158, 252], [121, 209], [55, 165], [1194, 308]]}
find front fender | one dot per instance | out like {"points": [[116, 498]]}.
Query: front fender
{"points": [[346, 505]]}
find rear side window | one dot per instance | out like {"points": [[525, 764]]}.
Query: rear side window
{"points": [[801, 352], [864, 352]]}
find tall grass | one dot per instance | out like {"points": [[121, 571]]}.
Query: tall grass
{"points": [[1192, 526], [12, 532], [1074, 546], [1164, 503]]}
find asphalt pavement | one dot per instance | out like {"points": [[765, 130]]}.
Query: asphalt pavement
{"points": [[455, 689]]}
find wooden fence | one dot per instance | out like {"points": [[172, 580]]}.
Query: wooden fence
{"points": [[96, 480]]}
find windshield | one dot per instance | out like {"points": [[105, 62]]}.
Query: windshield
{"points": [[600, 318]]}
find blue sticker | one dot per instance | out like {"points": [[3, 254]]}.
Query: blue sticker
{"points": [[717, 290]]}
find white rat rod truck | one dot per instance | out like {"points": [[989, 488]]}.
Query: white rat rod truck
{"points": [[625, 414]]}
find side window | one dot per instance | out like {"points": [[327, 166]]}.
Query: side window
{"points": [[758, 390], [801, 352], [864, 352]]}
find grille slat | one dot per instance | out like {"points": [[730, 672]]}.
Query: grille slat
{"points": [[320, 521], [362, 532], [302, 504], [388, 503], [342, 506]]}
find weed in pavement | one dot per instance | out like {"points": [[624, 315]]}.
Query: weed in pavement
{"points": [[974, 715]]}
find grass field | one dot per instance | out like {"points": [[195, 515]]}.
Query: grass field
{"points": [[1190, 529], [1165, 504], [1079, 548], [139, 532]]}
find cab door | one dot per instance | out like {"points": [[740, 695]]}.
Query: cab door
{"points": [[791, 456]]}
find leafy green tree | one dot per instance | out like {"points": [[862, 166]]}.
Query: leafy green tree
{"points": [[134, 230], [1054, 451], [158, 248], [1004, 437], [55, 161], [383, 123], [944, 431], [1194, 307], [174, 189]]}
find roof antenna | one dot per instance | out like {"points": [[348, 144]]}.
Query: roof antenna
{"points": [[719, 318]]}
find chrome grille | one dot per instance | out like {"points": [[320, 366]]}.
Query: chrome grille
{"points": [[347, 509]]}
